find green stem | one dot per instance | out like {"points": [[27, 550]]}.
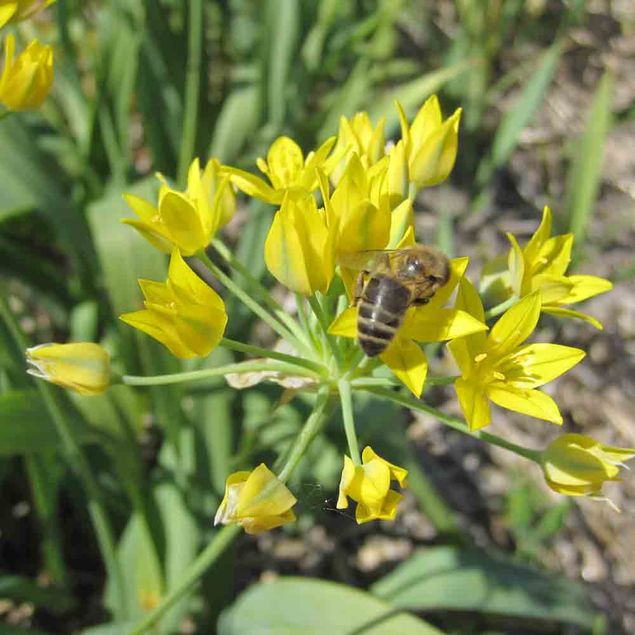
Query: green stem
{"points": [[265, 352], [324, 323], [312, 426], [454, 422], [501, 308], [346, 400], [250, 303], [258, 287], [219, 371], [80, 464], [221, 540], [192, 88]]}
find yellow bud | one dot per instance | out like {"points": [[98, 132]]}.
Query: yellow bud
{"points": [[577, 465], [83, 367], [256, 500], [369, 485], [299, 246], [26, 80]]}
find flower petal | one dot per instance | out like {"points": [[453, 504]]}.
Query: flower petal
{"points": [[437, 325], [516, 266], [457, 269], [570, 313], [515, 325], [584, 287], [540, 236], [540, 363], [345, 324], [408, 362], [529, 402], [474, 403], [254, 186]]}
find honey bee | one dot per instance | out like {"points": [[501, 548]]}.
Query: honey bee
{"points": [[389, 282]]}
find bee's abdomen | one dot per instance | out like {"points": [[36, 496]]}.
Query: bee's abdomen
{"points": [[380, 313]]}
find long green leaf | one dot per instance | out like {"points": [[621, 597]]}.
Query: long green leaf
{"points": [[457, 579], [585, 173], [313, 607]]}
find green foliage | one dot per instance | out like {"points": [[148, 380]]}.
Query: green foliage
{"points": [[127, 102]]}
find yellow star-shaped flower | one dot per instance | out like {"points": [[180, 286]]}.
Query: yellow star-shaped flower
{"points": [[429, 323], [498, 367]]}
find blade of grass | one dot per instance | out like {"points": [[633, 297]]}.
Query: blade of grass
{"points": [[585, 173]]}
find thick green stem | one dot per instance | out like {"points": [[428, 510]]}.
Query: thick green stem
{"points": [[454, 422], [265, 352], [78, 462], [219, 371], [346, 400], [192, 87], [324, 322], [501, 308], [221, 540], [312, 426]]}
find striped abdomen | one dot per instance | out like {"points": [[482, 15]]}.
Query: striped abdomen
{"points": [[381, 309]]}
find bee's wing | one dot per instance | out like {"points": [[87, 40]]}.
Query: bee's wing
{"points": [[368, 259]]}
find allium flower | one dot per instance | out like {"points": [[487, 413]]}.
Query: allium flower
{"points": [[299, 246], [184, 313], [187, 220], [356, 136], [26, 80], [498, 367], [369, 486], [428, 323], [256, 500], [83, 367], [577, 465], [541, 266], [428, 146], [287, 171]]}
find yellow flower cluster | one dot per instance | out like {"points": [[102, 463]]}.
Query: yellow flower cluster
{"points": [[353, 195], [26, 80]]}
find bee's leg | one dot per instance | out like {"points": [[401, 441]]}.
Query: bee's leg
{"points": [[359, 287], [420, 301]]}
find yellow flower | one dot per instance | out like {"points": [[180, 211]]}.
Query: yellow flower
{"points": [[26, 80], [577, 465], [356, 136], [429, 144], [184, 313], [369, 485], [287, 171], [187, 220], [499, 368], [16, 10], [541, 266], [428, 323], [299, 246], [256, 500], [83, 367]]}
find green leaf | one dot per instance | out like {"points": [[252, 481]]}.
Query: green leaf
{"points": [[312, 607], [585, 173], [281, 36], [20, 589], [124, 256], [25, 425], [237, 121], [453, 578], [517, 118]]}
